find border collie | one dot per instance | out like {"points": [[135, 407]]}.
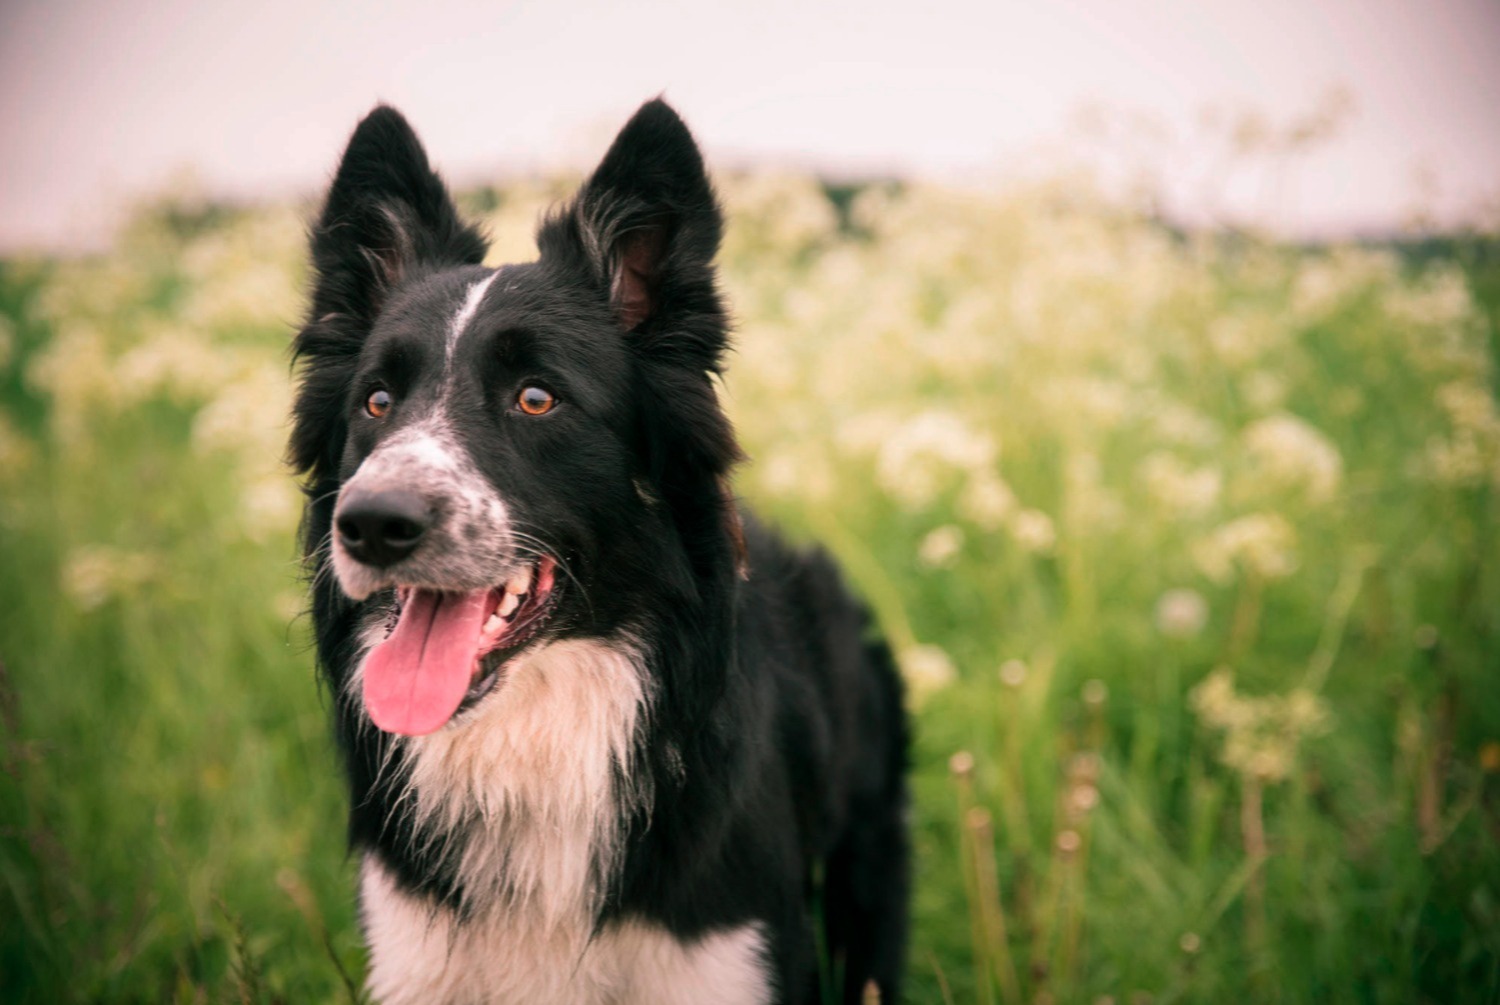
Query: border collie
{"points": [[607, 740]]}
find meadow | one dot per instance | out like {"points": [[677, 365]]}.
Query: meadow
{"points": [[1189, 545]]}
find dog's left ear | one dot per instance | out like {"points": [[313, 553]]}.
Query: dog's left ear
{"points": [[646, 221]]}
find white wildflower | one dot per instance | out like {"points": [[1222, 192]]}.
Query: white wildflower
{"points": [[941, 546], [247, 415], [1181, 489], [926, 670], [1181, 613], [1261, 734], [271, 506], [1033, 530], [1263, 390], [1263, 544], [1013, 672], [986, 500], [914, 465], [1101, 402], [94, 574], [1182, 424], [1290, 453]]}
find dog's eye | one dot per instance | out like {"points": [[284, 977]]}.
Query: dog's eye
{"points": [[378, 404], [535, 400]]}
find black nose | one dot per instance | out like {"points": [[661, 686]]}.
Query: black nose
{"points": [[382, 528]]}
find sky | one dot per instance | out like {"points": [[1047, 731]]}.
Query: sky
{"points": [[104, 100]]}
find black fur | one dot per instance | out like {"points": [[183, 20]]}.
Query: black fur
{"points": [[776, 741]]}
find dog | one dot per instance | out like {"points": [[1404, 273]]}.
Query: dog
{"points": [[607, 739]]}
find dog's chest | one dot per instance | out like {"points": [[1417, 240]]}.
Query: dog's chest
{"points": [[529, 791], [422, 954]]}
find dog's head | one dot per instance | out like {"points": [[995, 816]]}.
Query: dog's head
{"points": [[501, 456]]}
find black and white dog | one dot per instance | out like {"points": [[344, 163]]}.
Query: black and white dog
{"points": [[607, 741]]}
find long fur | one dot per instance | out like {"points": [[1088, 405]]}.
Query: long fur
{"points": [[705, 739]]}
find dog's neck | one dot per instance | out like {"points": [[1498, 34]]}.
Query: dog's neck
{"points": [[522, 802]]}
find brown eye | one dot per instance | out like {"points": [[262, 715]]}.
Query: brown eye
{"points": [[535, 401], [378, 404]]}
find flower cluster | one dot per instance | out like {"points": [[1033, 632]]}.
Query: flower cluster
{"points": [[1261, 735]]}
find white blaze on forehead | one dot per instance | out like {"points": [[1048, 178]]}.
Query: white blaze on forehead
{"points": [[466, 313]]}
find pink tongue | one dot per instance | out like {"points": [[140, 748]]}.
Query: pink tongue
{"points": [[416, 679]]}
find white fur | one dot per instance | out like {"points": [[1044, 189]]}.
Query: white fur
{"points": [[528, 780], [471, 543], [424, 955], [465, 314], [528, 775]]}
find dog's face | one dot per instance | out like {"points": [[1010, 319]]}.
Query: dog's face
{"points": [[503, 456]]}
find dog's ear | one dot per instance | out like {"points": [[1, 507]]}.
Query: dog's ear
{"points": [[386, 213], [648, 226], [643, 232]]}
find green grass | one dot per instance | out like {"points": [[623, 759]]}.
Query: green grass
{"points": [[1076, 461]]}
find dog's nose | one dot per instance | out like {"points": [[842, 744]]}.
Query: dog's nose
{"points": [[382, 528]]}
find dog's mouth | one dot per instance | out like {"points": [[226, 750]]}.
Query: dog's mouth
{"points": [[447, 650]]}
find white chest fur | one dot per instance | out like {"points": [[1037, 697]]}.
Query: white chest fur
{"points": [[534, 781], [419, 954]]}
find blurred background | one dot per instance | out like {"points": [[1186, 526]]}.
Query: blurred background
{"points": [[1138, 361]]}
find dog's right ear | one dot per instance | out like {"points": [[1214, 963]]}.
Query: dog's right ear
{"points": [[387, 214]]}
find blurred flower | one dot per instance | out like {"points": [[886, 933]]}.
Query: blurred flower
{"points": [[1263, 390], [271, 506], [796, 472], [1439, 298], [1183, 490], [1289, 453], [175, 364], [986, 500], [926, 670], [1083, 798], [1470, 454], [94, 574], [913, 463], [1181, 613], [247, 415], [1240, 339], [1033, 531], [1331, 282], [1182, 424], [1261, 735], [940, 547], [1013, 673], [1261, 543], [1096, 400], [780, 214], [961, 764]]}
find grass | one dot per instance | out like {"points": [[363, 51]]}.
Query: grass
{"points": [[1189, 547]]}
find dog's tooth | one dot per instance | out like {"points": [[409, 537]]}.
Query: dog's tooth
{"points": [[520, 582], [493, 624], [508, 605]]}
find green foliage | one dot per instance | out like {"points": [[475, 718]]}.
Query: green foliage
{"points": [[1190, 545]]}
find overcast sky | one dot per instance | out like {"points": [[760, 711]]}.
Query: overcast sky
{"points": [[103, 99]]}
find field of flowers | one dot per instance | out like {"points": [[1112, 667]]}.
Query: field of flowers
{"points": [[1189, 545]]}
